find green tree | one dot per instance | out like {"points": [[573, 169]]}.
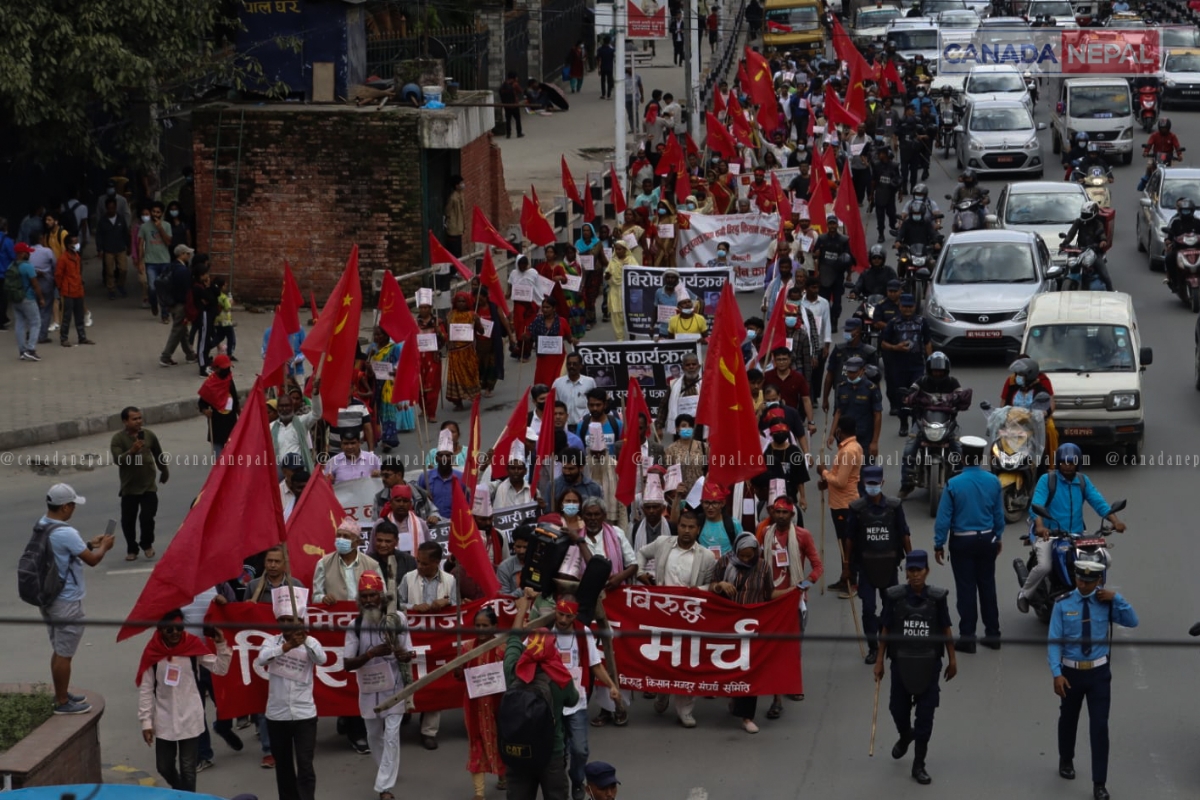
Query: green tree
{"points": [[89, 79]]}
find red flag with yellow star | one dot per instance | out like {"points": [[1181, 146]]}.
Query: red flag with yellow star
{"points": [[466, 545], [312, 526], [726, 407], [819, 199], [471, 470], [334, 340]]}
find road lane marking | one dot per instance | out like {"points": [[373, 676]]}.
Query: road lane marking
{"points": [[134, 571]]}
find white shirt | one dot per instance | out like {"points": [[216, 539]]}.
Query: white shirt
{"points": [[176, 712], [568, 650], [348, 577], [343, 468], [679, 565], [574, 394], [822, 313], [290, 700], [573, 564], [508, 497], [527, 278], [371, 638]]}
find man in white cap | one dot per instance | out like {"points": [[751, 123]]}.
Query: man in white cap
{"points": [[439, 482], [514, 490], [493, 540], [63, 613], [602, 469], [653, 524], [290, 659]]}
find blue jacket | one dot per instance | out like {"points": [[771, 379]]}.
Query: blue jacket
{"points": [[1066, 623], [7, 253], [973, 501], [1066, 508]]}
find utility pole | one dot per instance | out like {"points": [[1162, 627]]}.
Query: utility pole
{"points": [[620, 16], [695, 40]]}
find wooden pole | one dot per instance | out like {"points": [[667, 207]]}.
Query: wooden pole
{"points": [[857, 624], [874, 718]]}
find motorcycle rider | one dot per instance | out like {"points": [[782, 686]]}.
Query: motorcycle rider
{"points": [[877, 277], [1184, 222], [930, 391], [1093, 158], [1089, 230], [1163, 141], [921, 192], [1063, 494], [917, 228], [834, 260], [969, 189], [1022, 388], [1030, 84], [946, 108], [919, 71], [1078, 151]]}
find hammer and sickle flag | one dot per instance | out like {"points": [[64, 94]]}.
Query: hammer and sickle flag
{"points": [[334, 339], [312, 526], [466, 545], [726, 407]]}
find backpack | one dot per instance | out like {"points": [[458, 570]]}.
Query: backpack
{"points": [[525, 724], [14, 285], [38, 581]]}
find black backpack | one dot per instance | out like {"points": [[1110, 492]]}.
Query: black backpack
{"points": [[38, 581], [526, 724]]}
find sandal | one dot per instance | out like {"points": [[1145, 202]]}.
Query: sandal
{"points": [[149, 553], [602, 719], [621, 719], [775, 710], [502, 784], [131, 556]]}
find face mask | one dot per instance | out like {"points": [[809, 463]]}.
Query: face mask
{"points": [[872, 490], [570, 509], [1020, 380], [855, 379], [174, 212], [343, 546], [691, 206], [779, 438], [789, 321], [686, 433], [75, 247], [145, 218], [847, 336], [751, 335], [687, 312], [722, 253], [662, 212]]}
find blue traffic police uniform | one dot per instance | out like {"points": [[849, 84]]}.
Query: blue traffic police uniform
{"points": [[971, 516]]}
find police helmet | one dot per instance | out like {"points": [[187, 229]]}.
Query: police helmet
{"points": [[920, 190], [1081, 138], [969, 177]]}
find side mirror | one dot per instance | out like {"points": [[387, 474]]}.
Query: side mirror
{"points": [[1041, 126], [991, 219], [1054, 273], [1146, 356], [1146, 202], [985, 405], [1119, 506], [948, 197]]}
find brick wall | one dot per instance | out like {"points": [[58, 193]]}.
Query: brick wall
{"points": [[313, 182]]}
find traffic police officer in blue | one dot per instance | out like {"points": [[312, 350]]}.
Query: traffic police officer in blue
{"points": [[916, 614], [906, 343], [858, 397], [877, 539], [971, 516], [1078, 656]]}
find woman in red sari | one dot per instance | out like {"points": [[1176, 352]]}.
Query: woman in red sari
{"points": [[431, 362], [480, 713]]}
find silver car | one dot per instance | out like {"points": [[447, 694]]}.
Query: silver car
{"points": [[1046, 208], [981, 288], [999, 136], [1166, 187], [997, 82]]}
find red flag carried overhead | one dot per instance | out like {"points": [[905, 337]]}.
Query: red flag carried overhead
{"points": [[819, 198], [780, 199], [718, 139], [835, 112], [846, 207], [689, 145], [438, 254], [568, 183], [291, 300], [514, 431], [398, 322], [618, 196], [312, 526], [631, 442], [762, 86], [471, 470], [238, 513], [775, 334], [742, 131], [483, 232], [735, 106], [279, 351], [672, 157], [488, 277], [466, 545], [334, 340], [892, 75], [652, 113], [545, 443], [718, 102], [856, 95], [726, 406], [534, 225]]}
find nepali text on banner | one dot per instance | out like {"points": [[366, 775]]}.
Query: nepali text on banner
{"points": [[749, 237]]}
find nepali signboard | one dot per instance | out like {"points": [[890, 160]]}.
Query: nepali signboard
{"points": [[640, 286], [749, 237], [612, 364], [1063, 52], [646, 19]]}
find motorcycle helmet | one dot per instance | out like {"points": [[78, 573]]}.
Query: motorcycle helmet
{"points": [[1026, 368], [1081, 138], [917, 212], [920, 190], [877, 251], [1089, 210], [937, 360], [969, 178], [1068, 453], [1186, 208], [1093, 149], [1027, 75], [1164, 125], [947, 91]]}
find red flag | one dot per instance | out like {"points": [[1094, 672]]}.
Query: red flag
{"points": [[533, 193], [819, 198], [489, 278], [717, 138], [742, 132], [846, 207], [775, 334], [892, 75], [471, 470], [279, 351], [589, 203], [856, 95], [545, 443], [238, 513], [762, 86], [735, 452], [398, 322], [312, 526], [631, 443], [780, 199], [618, 196], [683, 186], [514, 431], [735, 106], [534, 225], [671, 158], [483, 232], [829, 159], [291, 300], [689, 146], [466, 543], [835, 112], [334, 340], [768, 116], [777, 27], [718, 102], [652, 113], [438, 254], [568, 182]]}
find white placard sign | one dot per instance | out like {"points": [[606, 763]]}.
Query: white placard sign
{"points": [[376, 678], [666, 230], [545, 284], [574, 283], [484, 680], [665, 313], [588, 263], [522, 293], [549, 345], [427, 342], [462, 332], [293, 665], [384, 370], [487, 326]]}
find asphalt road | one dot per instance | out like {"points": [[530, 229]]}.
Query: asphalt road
{"points": [[994, 735]]}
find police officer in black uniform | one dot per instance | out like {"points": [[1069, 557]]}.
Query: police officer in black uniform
{"points": [[908, 131], [927, 122], [854, 344], [833, 260], [886, 182], [877, 539], [916, 613], [858, 397], [876, 277], [906, 343]]}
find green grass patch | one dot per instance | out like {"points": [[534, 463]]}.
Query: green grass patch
{"points": [[21, 714]]}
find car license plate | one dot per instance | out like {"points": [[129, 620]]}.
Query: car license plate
{"points": [[1106, 145], [1077, 431], [1004, 159], [1089, 543], [983, 334]]}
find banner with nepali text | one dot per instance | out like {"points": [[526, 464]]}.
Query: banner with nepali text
{"points": [[749, 237]]}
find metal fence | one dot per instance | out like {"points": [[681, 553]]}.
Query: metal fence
{"points": [[564, 22], [465, 51], [516, 44]]}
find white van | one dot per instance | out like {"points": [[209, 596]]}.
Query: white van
{"points": [[1101, 107], [1089, 346]]}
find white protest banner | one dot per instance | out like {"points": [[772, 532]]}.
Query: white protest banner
{"points": [[749, 237], [484, 680], [358, 502]]}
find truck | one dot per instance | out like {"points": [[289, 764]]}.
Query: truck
{"points": [[867, 20], [795, 26]]}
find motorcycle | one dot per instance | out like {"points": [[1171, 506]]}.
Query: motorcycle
{"points": [[1080, 273], [1186, 247], [1065, 551], [937, 431], [1148, 107], [913, 266], [1016, 441], [1164, 159], [868, 313], [968, 215], [946, 133], [1095, 180]]}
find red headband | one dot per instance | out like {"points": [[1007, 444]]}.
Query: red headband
{"points": [[566, 607]]}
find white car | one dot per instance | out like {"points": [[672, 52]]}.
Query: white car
{"points": [[1060, 10], [960, 19], [1047, 208], [1181, 77], [997, 82]]}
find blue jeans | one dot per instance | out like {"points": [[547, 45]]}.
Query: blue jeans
{"points": [[575, 728], [28, 319], [47, 310], [152, 273]]}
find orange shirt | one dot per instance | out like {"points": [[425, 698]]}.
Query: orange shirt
{"points": [[68, 274], [842, 475]]}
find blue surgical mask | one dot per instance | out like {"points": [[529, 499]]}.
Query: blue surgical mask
{"points": [[751, 335], [722, 253], [873, 490], [855, 379], [571, 509], [847, 336], [1020, 380], [686, 433], [789, 321], [691, 206], [343, 546]]}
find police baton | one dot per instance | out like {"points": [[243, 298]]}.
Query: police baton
{"points": [[874, 718]]}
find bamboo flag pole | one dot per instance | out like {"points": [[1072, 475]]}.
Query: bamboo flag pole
{"points": [[874, 719]]}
